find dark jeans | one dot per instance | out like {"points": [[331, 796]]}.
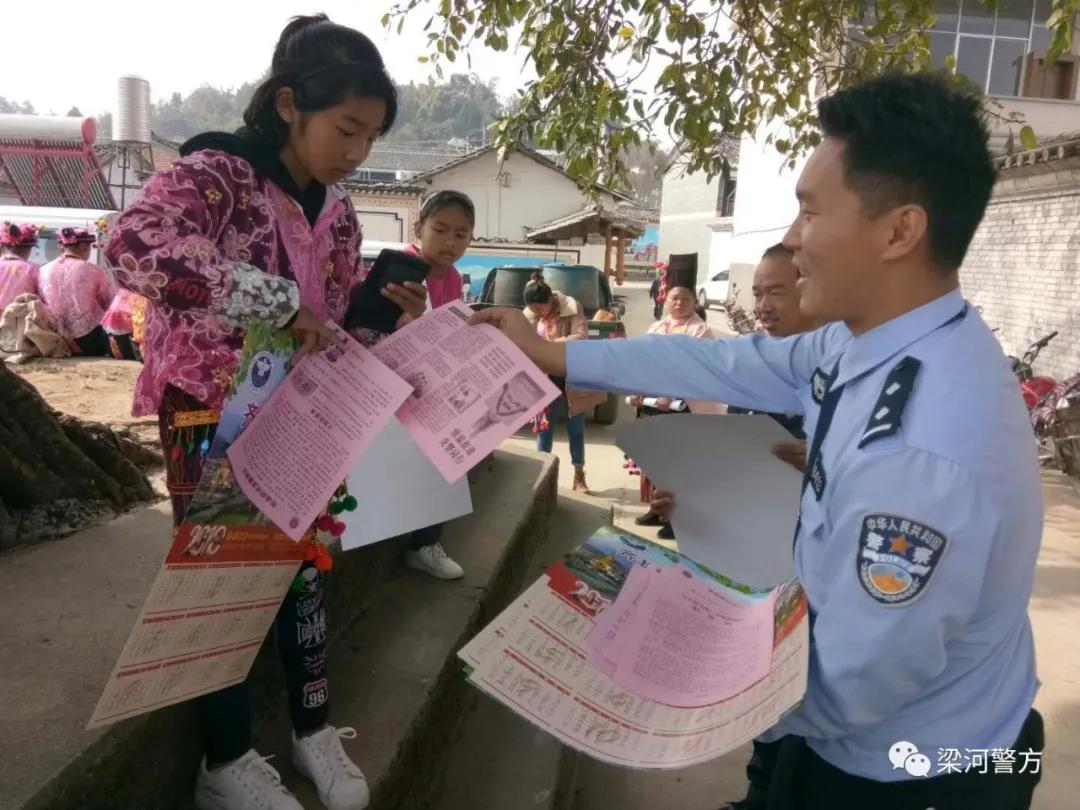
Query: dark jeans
{"points": [[299, 628], [801, 780], [575, 431], [427, 536], [94, 344], [759, 773]]}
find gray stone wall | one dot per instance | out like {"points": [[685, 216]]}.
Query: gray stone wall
{"points": [[1023, 267]]}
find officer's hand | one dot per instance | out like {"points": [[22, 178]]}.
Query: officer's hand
{"points": [[550, 357], [634, 402], [662, 503], [793, 453], [663, 404]]}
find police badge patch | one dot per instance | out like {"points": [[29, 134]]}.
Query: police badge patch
{"points": [[896, 558]]}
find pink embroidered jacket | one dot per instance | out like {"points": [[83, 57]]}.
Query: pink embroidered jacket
{"points": [[77, 293], [16, 278], [194, 244]]}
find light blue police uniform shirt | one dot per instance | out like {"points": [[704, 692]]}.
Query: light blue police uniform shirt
{"points": [[919, 556]]}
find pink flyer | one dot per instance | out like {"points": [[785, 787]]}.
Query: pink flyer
{"points": [[472, 387], [312, 430], [690, 644]]}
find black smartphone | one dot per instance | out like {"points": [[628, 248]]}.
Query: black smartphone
{"points": [[368, 307]]}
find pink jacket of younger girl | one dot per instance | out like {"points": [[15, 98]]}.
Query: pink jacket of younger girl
{"points": [[194, 244]]}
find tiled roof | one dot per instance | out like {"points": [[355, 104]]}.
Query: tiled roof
{"points": [[729, 149], [377, 187], [623, 218], [392, 157], [523, 150]]}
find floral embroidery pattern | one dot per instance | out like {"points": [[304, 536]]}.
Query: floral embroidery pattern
{"points": [[180, 246], [256, 295]]}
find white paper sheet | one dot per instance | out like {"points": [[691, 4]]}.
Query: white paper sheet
{"points": [[398, 489], [736, 503]]}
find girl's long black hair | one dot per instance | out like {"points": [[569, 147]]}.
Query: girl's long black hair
{"points": [[323, 63]]}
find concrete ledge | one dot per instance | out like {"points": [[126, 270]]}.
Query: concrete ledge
{"points": [[69, 605]]}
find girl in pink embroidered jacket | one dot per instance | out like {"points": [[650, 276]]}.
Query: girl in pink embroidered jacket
{"points": [[251, 226]]}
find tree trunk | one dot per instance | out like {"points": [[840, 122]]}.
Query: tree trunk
{"points": [[58, 474]]}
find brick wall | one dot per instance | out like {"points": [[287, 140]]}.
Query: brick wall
{"points": [[1023, 267]]}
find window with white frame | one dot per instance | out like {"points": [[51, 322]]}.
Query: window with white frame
{"points": [[991, 47]]}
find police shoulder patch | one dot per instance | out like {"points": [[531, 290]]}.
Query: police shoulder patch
{"points": [[889, 409], [896, 558], [819, 384]]}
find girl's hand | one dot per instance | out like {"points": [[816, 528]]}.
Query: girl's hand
{"points": [[411, 298], [313, 334], [634, 402], [663, 404]]}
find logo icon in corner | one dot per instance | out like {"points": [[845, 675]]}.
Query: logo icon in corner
{"points": [[906, 755], [262, 368]]}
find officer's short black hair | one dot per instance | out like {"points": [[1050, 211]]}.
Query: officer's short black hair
{"points": [[916, 138]]}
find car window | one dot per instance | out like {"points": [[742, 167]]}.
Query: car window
{"points": [[721, 276]]}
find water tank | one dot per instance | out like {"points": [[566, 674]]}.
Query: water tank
{"points": [[131, 119], [47, 128]]}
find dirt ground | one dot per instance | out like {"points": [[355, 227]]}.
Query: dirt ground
{"points": [[93, 388]]}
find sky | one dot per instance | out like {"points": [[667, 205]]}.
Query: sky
{"points": [[180, 46]]}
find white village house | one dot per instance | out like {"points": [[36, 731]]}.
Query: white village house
{"points": [[1024, 265], [525, 197]]}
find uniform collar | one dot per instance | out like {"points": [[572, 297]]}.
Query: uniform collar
{"points": [[870, 349]]}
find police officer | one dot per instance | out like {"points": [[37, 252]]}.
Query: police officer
{"points": [[921, 510]]}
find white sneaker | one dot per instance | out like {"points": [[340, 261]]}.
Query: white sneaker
{"points": [[322, 759], [249, 783], [434, 560]]}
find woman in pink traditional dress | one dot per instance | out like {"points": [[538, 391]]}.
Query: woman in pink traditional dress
{"points": [[244, 227], [443, 231], [18, 275], [680, 319], [77, 293], [118, 323]]}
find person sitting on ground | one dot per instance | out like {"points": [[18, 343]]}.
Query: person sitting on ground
{"points": [[118, 323], [78, 293], [18, 275], [681, 319], [559, 318]]}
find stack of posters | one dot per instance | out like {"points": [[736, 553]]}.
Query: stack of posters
{"points": [[638, 656]]}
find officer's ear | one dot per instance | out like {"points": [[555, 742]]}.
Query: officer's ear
{"points": [[906, 227]]}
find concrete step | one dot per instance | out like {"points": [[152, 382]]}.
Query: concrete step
{"points": [[69, 606], [708, 786], [499, 761]]}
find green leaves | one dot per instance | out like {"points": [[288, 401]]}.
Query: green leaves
{"points": [[722, 68]]}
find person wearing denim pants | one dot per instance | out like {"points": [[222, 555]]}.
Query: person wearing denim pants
{"points": [[575, 431], [560, 318]]}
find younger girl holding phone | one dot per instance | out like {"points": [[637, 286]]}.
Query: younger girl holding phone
{"points": [[444, 231]]}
